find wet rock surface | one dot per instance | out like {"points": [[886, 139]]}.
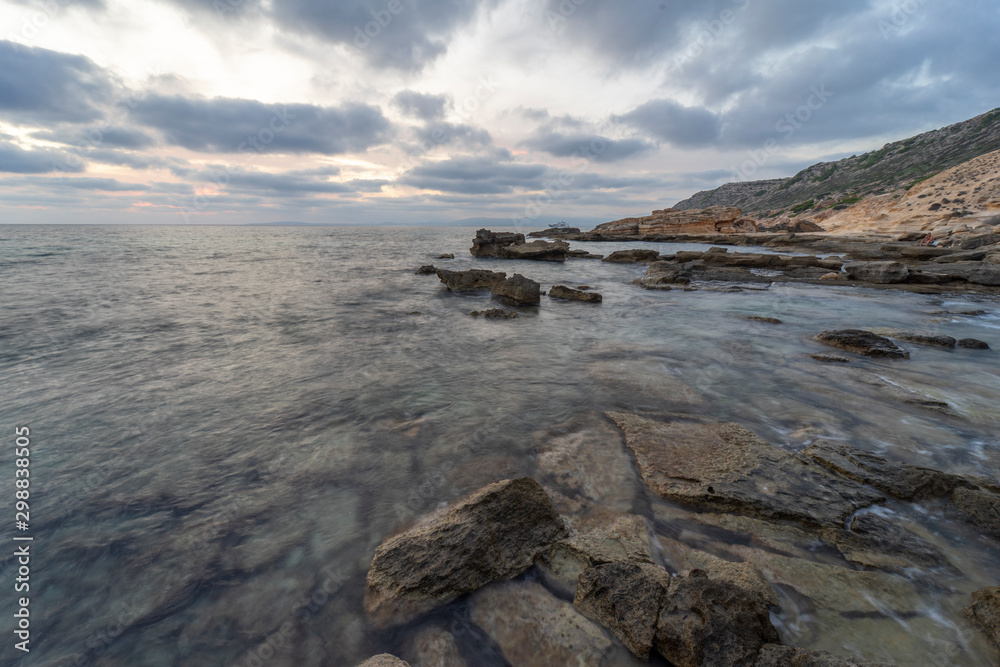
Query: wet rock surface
{"points": [[570, 294], [774, 655], [882, 273], [973, 344], [710, 622], [727, 467], [985, 611], [495, 314], [518, 291], [625, 597], [982, 506], [863, 342], [384, 660], [535, 629], [436, 647], [473, 279], [508, 245], [492, 535]]}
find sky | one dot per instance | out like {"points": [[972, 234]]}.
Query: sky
{"points": [[436, 111]]}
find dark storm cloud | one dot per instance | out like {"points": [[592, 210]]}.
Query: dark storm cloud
{"points": [[666, 120], [402, 34], [16, 160], [42, 86], [475, 175], [224, 125], [420, 105], [598, 149]]}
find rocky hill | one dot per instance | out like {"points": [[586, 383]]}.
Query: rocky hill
{"points": [[895, 168]]}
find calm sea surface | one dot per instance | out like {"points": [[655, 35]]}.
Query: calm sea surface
{"points": [[226, 422]]}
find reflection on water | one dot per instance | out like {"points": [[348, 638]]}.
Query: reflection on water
{"points": [[227, 421]]}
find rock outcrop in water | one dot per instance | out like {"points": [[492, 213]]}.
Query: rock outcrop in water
{"points": [[727, 467], [631, 256], [568, 293], [492, 535], [508, 245], [863, 342], [667, 222], [515, 291]]}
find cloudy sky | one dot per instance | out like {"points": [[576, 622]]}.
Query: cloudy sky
{"points": [[370, 111]]}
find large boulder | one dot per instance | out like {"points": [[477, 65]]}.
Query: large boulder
{"points": [[726, 467], [712, 623], [508, 245], [489, 244], [881, 273], [493, 534], [570, 294], [863, 342], [518, 291]]}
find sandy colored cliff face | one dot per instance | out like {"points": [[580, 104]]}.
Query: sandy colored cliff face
{"points": [[963, 197], [713, 220]]}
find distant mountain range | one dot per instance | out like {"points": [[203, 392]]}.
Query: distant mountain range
{"points": [[895, 167]]}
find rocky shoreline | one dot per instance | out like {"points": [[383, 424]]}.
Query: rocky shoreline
{"points": [[569, 573]]}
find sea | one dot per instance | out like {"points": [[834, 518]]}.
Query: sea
{"points": [[225, 422]]}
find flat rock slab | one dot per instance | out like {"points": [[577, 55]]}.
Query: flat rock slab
{"points": [[632, 256], [863, 342], [493, 534], [881, 273], [918, 337], [982, 506], [726, 467], [985, 611]]}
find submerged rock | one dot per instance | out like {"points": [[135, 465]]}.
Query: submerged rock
{"points": [[863, 342], [985, 611], [980, 505], [563, 292], [973, 344], [712, 623], [495, 314], [632, 256], [493, 534], [774, 655], [426, 270], [626, 537], [626, 597], [436, 647], [535, 629], [881, 273], [384, 660], [873, 541], [684, 558], [725, 466], [829, 359], [931, 339], [765, 320], [897, 479], [446, 255]]}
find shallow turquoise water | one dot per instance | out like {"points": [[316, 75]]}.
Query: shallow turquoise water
{"points": [[227, 421]]}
